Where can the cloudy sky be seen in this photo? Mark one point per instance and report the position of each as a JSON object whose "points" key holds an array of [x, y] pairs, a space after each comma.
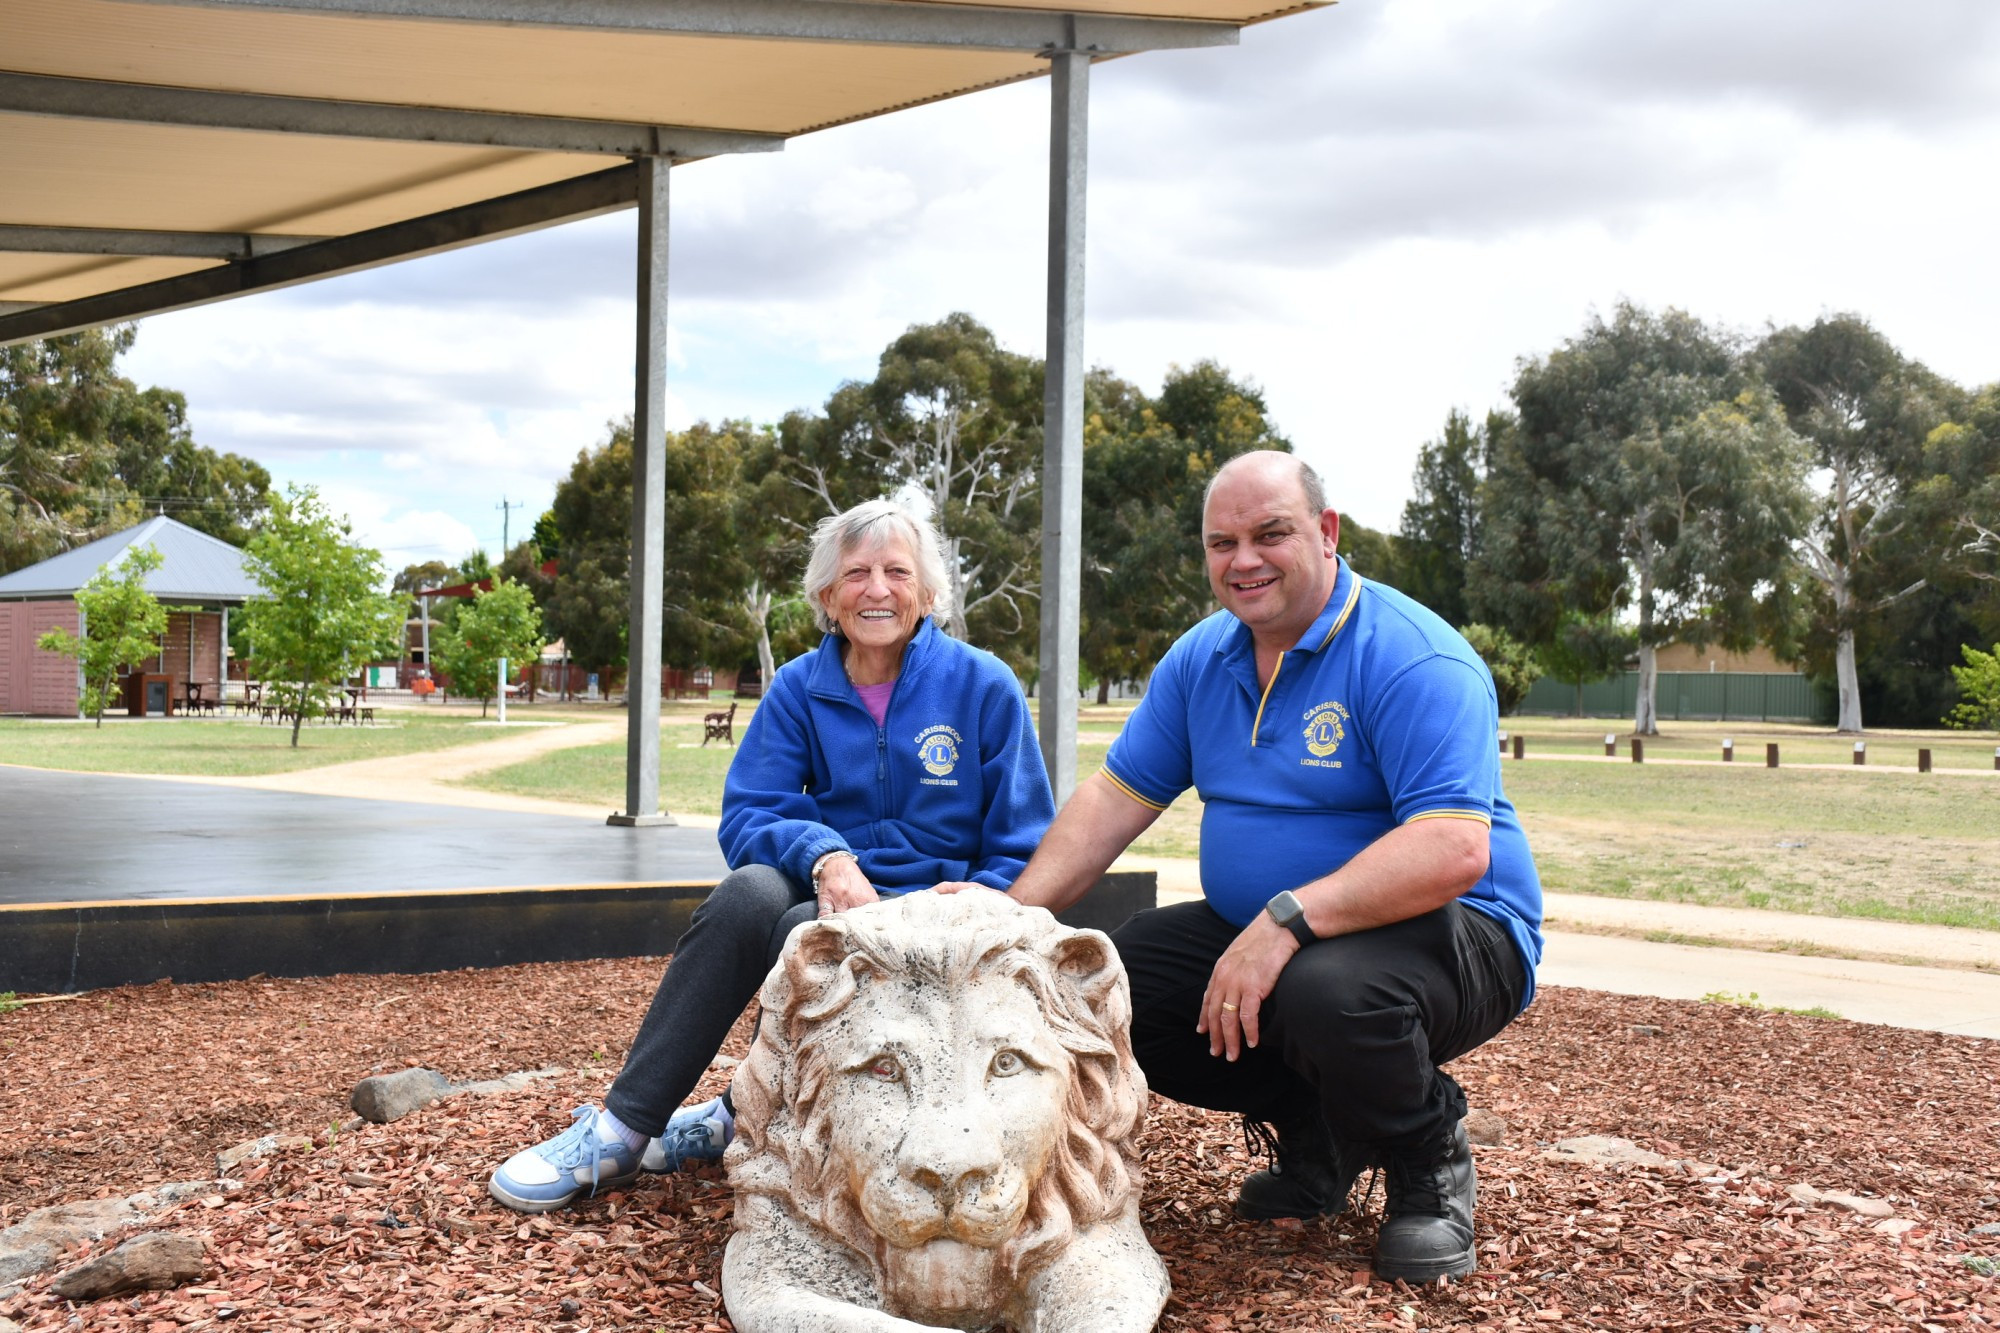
{"points": [[1371, 210]]}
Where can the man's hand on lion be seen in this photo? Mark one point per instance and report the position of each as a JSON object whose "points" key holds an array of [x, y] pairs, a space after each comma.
{"points": [[1243, 977], [842, 885], [956, 886]]}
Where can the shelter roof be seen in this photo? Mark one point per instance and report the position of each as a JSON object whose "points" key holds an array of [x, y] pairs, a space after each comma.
{"points": [[185, 147], [195, 567]]}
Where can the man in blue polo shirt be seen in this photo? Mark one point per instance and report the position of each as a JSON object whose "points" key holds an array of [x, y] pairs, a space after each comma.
{"points": [[1370, 908]]}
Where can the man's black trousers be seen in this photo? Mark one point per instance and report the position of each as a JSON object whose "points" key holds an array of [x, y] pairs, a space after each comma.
{"points": [[1357, 1025]]}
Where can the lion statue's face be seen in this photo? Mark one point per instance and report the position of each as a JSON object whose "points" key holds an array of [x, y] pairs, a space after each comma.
{"points": [[940, 1098]]}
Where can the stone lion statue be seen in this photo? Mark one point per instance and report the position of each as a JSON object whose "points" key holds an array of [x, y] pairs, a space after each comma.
{"points": [[935, 1129]]}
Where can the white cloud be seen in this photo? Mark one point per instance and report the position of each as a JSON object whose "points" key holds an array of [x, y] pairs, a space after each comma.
{"points": [[1372, 210]]}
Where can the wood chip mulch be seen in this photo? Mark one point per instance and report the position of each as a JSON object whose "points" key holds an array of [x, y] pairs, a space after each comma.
{"points": [[389, 1227]]}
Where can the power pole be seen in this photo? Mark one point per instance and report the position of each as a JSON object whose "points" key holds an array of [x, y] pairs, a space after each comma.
{"points": [[504, 509]]}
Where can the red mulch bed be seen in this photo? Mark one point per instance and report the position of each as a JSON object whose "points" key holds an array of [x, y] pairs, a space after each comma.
{"points": [[389, 1227]]}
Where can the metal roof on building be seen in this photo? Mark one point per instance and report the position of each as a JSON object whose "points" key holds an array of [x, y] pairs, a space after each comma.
{"points": [[183, 151], [195, 567]]}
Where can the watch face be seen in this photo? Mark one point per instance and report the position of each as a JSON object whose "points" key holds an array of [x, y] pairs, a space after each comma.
{"points": [[1284, 908]]}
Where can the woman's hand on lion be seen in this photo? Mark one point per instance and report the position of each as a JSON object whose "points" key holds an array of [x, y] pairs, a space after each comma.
{"points": [[842, 885]]}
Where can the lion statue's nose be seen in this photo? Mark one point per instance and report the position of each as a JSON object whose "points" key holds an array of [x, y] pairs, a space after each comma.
{"points": [[950, 1157]]}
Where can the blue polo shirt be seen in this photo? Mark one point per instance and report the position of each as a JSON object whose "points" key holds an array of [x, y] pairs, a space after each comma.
{"points": [[1381, 714]]}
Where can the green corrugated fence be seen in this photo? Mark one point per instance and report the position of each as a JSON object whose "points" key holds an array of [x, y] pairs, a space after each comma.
{"points": [[1722, 696]]}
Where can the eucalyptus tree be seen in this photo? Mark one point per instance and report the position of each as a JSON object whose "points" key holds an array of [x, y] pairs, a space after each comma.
{"points": [[1647, 469], [1865, 413]]}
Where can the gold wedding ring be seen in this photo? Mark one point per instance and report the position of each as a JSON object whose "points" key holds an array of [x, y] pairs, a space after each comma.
{"points": [[1228, 1008]]}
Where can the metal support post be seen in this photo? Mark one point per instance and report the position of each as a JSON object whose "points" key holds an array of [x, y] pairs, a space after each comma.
{"points": [[649, 509], [1062, 417]]}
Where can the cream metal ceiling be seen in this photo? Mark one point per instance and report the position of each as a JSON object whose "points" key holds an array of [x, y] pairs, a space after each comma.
{"points": [[256, 122]]}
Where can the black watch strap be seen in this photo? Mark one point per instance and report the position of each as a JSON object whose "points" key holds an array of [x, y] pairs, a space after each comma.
{"points": [[1286, 909]]}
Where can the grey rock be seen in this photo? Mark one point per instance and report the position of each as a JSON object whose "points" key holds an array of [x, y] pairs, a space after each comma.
{"points": [[230, 1158], [515, 1082], [40, 1240], [1485, 1128], [1606, 1150], [160, 1259], [1647, 1030], [387, 1097], [1987, 1229], [8, 1326]]}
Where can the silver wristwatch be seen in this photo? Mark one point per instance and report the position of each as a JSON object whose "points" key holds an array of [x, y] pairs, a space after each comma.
{"points": [[1289, 912]]}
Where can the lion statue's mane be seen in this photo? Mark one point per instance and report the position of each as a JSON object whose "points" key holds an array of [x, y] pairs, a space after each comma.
{"points": [[784, 1131]]}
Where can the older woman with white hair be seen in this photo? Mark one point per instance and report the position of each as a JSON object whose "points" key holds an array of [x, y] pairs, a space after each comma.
{"points": [[891, 759]]}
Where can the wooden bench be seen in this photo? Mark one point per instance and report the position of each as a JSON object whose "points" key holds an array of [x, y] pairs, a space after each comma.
{"points": [[719, 726]]}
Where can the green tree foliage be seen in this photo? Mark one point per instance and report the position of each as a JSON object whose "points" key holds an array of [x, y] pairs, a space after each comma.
{"points": [[1439, 539], [1865, 413], [706, 567], [122, 625], [499, 623], [1586, 648], [321, 615], [953, 421], [1978, 691], [1646, 467], [1511, 662], [85, 452], [1146, 463]]}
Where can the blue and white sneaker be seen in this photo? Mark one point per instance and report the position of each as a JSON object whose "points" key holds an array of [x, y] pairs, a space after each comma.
{"points": [[549, 1175], [695, 1134]]}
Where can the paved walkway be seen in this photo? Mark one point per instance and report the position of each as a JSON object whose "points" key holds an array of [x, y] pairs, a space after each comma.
{"points": [[1930, 977]]}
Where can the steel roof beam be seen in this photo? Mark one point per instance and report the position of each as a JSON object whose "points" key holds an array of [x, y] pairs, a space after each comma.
{"points": [[860, 21], [564, 201], [152, 104], [162, 244]]}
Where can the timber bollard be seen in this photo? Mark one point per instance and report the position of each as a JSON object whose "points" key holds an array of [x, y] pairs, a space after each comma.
{"points": [[1503, 742], [1860, 753], [1996, 759], [1728, 750], [1638, 751], [1923, 761], [1520, 745], [1771, 755], [1610, 745]]}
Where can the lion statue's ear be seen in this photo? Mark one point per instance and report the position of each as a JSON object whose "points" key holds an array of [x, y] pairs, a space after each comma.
{"points": [[815, 971], [1088, 965]]}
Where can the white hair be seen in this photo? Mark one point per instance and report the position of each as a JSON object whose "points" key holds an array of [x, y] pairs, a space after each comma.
{"points": [[866, 524]]}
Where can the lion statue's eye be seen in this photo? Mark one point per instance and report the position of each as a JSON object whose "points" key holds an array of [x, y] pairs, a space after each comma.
{"points": [[1008, 1062], [885, 1068]]}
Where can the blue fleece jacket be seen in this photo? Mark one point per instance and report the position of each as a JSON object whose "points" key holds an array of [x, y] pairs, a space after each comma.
{"points": [[950, 787]]}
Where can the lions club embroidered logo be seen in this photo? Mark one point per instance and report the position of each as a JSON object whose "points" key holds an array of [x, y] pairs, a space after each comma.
{"points": [[1325, 728], [937, 747]]}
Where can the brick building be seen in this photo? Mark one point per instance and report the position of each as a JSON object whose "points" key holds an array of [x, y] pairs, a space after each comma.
{"points": [[204, 576]]}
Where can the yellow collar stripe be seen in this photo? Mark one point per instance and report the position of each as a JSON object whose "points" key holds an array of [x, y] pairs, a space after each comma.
{"points": [[1353, 596], [1119, 783]]}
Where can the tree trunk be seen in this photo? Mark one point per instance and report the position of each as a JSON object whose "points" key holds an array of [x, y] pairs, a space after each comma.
{"points": [[1850, 684], [1103, 690], [760, 615], [1647, 720], [299, 708]]}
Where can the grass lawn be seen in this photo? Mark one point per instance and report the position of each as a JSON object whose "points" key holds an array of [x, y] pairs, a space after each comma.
{"points": [[231, 747], [1840, 842], [690, 779]]}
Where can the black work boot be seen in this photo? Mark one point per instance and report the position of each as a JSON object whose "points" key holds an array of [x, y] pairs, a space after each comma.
{"points": [[1310, 1172], [1426, 1228]]}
